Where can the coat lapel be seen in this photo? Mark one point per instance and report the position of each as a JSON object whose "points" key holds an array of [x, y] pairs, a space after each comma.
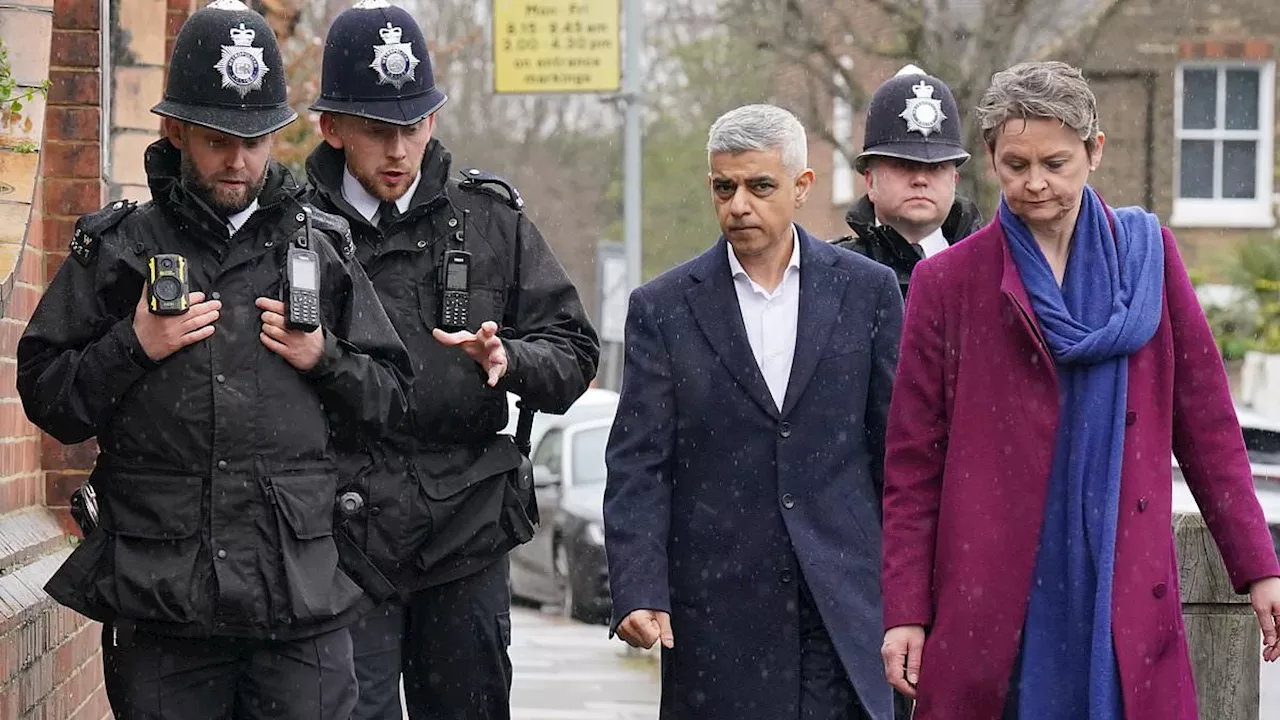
{"points": [[714, 303], [1016, 292], [822, 290]]}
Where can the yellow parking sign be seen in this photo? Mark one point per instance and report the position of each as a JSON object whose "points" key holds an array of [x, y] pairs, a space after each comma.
{"points": [[556, 46]]}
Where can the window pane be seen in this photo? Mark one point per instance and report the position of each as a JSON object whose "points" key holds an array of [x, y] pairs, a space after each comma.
{"points": [[1242, 99], [1199, 99], [548, 453], [1196, 169], [588, 456], [1239, 169]]}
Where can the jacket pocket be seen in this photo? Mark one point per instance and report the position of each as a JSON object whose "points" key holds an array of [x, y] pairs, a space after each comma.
{"points": [[317, 587], [447, 475], [82, 582], [154, 522]]}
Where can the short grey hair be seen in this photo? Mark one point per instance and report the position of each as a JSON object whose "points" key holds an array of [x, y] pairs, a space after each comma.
{"points": [[761, 128], [1049, 90]]}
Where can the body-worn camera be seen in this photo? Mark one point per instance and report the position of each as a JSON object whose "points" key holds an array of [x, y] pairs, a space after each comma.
{"points": [[455, 296], [302, 284], [167, 285]]}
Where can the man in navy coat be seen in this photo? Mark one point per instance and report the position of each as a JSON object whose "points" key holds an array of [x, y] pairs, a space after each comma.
{"points": [[742, 512]]}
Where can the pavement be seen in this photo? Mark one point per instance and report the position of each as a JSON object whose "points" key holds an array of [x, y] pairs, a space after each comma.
{"points": [[567, 670]]}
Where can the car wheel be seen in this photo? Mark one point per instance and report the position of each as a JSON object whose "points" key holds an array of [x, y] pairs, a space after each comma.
{"points": [[564, 583]]}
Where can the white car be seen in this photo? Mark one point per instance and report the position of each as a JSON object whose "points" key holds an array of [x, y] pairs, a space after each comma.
{"points": [[564, 565]]}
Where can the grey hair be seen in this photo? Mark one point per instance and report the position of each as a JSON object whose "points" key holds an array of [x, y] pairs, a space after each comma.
{"points": [[1049, 90], [761, 128]]}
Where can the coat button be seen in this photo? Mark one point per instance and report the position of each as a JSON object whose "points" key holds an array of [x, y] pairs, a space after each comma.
{"points": [[1142, 505], [786, 576], [788, 502], [222, 554], [375, 511], [1159, 590], [216, 295], [1130, 417], [785, 430], [222, 464], [220, 378]]}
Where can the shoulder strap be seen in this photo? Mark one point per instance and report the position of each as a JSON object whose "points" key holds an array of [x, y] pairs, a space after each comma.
{"points": [[476, 179], [89, 229], [473, 180]]}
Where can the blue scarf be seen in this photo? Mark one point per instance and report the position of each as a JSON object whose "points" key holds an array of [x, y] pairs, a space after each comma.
{"points": [[1108, 307]]}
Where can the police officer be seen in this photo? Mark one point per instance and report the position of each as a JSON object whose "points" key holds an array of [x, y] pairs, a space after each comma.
{"points": [[214, 564], [910, 158], [484, 308]]}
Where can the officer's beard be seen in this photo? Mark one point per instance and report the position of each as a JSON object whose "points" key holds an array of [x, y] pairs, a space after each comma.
{"points": [[373, 184], [222, 201]]}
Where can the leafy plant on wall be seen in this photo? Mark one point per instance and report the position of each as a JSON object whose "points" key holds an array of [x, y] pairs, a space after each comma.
{"points": [[1253, 266], [13, 98]]}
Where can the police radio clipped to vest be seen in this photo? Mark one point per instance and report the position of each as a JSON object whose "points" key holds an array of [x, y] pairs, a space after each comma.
{"points": [[302, 281], [454, 283]]}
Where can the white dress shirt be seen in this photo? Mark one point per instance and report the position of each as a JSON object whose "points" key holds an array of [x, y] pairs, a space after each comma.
{"points": [[932, 244], [237, 221], [367, 205], [770, 319]]}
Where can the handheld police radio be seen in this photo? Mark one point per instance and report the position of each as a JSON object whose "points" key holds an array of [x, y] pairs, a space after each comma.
{"points": [[302, 282], [455, 283], [167, 285]]}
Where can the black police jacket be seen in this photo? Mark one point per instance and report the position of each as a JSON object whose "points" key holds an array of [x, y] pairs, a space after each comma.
{"points": [[215, 475], [887, 247], [439, 501]]}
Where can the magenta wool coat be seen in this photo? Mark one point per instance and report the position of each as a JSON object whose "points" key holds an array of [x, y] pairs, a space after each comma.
{"points": [[970, 442]]}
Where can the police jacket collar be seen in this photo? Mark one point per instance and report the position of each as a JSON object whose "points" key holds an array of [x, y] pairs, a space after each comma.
{"points": [[326, 164], [164, 176], [964, 219]]}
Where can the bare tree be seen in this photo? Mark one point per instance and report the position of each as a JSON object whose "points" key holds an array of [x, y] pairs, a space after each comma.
{"points": [[828, 50]]}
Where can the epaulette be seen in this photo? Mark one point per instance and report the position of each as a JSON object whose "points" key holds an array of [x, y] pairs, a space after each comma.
{"points": [[89, 229], [476, 179], [337, 225]]}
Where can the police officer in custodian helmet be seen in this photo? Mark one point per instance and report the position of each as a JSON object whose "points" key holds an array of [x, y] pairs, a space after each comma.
{"points": [[484, 309], [168, 335], [911, 154]]}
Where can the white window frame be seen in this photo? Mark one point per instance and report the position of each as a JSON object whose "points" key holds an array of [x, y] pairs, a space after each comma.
{"points": [[843, 191], [843, 186], [1228, 212]]}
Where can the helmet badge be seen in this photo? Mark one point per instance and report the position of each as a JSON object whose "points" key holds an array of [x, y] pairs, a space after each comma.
{"points": [[241, 65], [923, 112], [393, 60]]}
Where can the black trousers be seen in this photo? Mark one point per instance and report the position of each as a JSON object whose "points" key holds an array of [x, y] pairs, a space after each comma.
{"points": [[153, 677], [825, 690], [450, 642]]}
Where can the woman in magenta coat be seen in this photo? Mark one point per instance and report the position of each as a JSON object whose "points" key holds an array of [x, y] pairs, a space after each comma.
{"points": [[1048, 365]]}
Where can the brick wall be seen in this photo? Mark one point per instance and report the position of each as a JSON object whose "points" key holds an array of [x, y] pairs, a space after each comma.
{"points": [[49, 657], [821, 214], [50, 662]]}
